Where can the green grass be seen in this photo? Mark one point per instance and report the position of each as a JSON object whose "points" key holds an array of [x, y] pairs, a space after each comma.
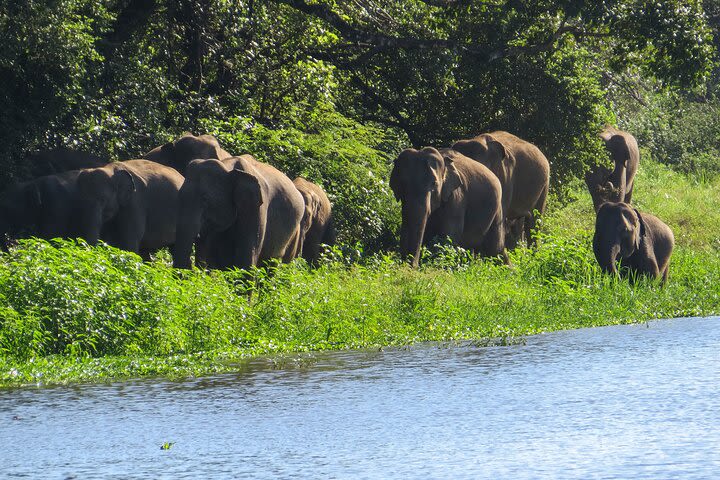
{"points": [[70, 313]]}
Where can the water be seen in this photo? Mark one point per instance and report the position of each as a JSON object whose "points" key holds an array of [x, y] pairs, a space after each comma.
{"points": [[619, 402]]}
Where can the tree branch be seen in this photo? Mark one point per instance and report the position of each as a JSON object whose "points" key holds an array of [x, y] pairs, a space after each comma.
{"points": [[371, 39], [399, 120]]}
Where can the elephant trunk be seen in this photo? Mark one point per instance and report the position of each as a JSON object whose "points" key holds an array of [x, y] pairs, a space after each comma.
{"points": [[415, 215], [607, 257], [188, 228]]}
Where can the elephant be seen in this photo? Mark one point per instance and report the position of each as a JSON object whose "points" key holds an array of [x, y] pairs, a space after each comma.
{"points": [[642, 241], [132, 205], [616, 185], [179, 153], [448, 194], [59, 160], [317, 225], [246, 209], [42, 207], [523, 171]]}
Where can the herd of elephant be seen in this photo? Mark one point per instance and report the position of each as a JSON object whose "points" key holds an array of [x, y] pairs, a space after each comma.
{"points": [[236, 211], [484, 193]]}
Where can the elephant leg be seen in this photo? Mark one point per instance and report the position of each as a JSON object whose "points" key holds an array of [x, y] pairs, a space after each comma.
{"points": [[650, 267], [311, 246], [665, 273], [130, 226], [514, 232], [294, 247], [493, 244], [450, 223], [215, 250]]}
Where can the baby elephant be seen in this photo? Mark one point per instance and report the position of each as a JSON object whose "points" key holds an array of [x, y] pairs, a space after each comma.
{"points": [[642, 241]]}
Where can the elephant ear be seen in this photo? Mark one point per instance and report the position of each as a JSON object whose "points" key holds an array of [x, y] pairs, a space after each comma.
{"points": [[641, 229], [124, 185], [496, 151], [452, 179], [248, 192]]}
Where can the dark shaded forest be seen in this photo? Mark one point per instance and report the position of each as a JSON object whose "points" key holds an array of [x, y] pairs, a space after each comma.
{"points": [[332, 90]]}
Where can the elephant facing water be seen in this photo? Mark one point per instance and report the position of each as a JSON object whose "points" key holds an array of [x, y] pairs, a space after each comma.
{"points": [[131, 205], [641, 241], [246, 210], [451, 194]]}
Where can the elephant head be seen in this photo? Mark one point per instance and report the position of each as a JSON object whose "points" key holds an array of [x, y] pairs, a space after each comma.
{"points": [[181, 152], [487, 150], [421, 180], [101, 193], [212, 198], [619, 229]]}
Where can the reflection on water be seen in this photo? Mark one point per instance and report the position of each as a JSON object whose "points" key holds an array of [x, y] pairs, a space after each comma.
{"points": [[619, 402]]}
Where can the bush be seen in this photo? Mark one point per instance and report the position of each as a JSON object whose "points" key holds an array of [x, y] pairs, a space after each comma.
{"points": [[351, 161], [679, 130], [68, 298]]}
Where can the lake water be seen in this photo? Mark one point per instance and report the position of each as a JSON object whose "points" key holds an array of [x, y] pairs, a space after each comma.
{"points": [[639, 401]]}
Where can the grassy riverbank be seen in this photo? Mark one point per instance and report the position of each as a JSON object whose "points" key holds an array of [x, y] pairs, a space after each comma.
{"points": [[77, 314]]}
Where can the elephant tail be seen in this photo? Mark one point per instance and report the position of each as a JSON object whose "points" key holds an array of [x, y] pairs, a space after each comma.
{"points": [[542, 200], [294, 246]]}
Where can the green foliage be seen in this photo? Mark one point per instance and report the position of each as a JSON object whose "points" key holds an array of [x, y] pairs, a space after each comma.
{"points": [[74, 300], [680, 130], [348, 159], [46, 57], [69, 312], [117, 80]]}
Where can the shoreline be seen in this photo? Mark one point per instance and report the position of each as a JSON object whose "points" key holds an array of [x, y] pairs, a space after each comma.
{"points": [[58, 370], [126, 319]]}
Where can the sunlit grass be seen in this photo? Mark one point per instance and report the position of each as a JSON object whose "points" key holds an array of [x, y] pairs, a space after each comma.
{"points": [[73, 313]]}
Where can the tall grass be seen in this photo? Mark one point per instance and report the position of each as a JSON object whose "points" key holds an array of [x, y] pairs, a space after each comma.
{"points": [[69, 312]]}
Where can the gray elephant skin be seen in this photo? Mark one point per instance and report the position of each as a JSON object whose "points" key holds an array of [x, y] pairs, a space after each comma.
{"points": [[616, 185], [446, 193], [523, 171], [641, 241], [243, 211], [131, 205], [42, 208], [59, 160], [179, 153], [317, 226]]}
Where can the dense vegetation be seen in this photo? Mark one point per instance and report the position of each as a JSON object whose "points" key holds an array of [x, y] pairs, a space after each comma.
{"points": [[332, 91], [73, 313]]}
